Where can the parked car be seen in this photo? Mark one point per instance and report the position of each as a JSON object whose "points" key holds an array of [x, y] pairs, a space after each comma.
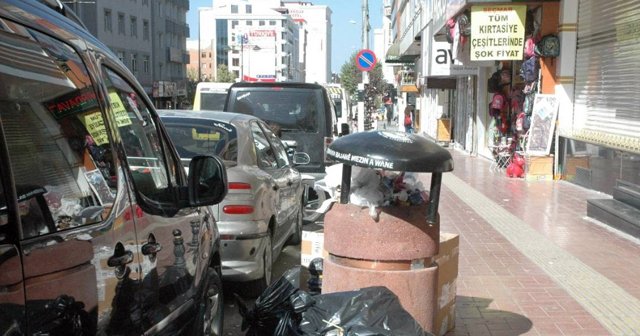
{"points": [[299, 112], [101, 231], [263, 209]]}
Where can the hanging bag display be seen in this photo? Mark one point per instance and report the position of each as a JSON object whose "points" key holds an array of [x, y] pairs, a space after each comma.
{"points": [[548, 46]]}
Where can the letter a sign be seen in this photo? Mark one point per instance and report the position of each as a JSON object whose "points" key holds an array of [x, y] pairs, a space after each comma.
{"points": [[366, 60]]}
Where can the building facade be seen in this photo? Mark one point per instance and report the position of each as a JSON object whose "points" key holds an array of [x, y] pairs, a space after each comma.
{"points": [[315, 23], [575, 108], [256, 40], [169, 31], [148, 37]]}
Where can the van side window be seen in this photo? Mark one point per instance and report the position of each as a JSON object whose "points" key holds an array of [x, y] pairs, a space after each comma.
{"points": [[278, 148], [153, 176], [61, 156]]}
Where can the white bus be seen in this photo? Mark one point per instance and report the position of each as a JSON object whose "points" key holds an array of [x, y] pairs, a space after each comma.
{"points": [[210, 96]]}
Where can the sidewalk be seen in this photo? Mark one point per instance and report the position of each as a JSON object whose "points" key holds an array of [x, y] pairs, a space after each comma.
{"points": [[531, 263]]}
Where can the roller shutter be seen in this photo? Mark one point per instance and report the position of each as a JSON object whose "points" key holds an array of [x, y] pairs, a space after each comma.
{"points": [[607, 80]]}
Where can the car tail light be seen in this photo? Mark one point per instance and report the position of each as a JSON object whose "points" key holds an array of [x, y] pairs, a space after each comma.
{"points": [[239, 186], [327, 142], [237, 209]]}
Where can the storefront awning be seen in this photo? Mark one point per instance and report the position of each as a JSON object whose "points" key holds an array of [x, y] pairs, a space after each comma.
{"points": [[393, 55]]}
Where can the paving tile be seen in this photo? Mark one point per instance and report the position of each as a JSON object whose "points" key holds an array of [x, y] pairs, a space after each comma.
{"points": [[504, 281]]}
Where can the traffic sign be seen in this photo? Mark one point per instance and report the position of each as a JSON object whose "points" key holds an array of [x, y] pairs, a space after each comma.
{"points": [[366, 60]]}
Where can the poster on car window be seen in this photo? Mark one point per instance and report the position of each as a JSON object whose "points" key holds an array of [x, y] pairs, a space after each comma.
{"points": [[118, 109], [497, 32], [94, 124]]}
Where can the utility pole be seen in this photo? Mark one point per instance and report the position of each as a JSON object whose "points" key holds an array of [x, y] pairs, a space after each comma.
{"points": [[365, 75]]}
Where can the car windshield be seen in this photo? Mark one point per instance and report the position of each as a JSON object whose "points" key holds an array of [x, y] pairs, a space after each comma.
{"points": [[213, 100], [203, 137], [283, 109]]}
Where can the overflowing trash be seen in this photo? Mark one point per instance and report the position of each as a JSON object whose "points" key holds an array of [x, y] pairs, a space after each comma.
{"points": [[284, 309], [374, 188]]}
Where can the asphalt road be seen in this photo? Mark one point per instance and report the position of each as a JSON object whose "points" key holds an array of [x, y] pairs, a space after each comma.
{"points": [[289, 257]]}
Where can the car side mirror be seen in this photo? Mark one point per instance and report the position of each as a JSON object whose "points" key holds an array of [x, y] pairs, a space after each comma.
{"points": [[300, 158], [207, 181]]}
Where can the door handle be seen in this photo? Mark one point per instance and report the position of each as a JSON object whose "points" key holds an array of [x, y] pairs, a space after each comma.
{"points": [[151, 248], [121, 260]]}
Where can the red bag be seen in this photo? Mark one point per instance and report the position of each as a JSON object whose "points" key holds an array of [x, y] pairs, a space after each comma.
{"points": [[407, 120]]}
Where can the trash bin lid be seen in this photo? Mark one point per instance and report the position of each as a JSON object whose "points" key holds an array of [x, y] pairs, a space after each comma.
{"points": [[391, 150]]}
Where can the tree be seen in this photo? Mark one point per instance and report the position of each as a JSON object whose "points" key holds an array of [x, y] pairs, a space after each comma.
{"points": [[224, 75], [350, 76]]}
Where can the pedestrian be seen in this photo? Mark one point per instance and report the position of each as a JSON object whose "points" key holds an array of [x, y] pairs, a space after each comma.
{"points": [[388, 105], [408, 120]]}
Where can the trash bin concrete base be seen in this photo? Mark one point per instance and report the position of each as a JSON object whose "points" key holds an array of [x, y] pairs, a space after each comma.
{"points": [[415, 288], [395, 251]]}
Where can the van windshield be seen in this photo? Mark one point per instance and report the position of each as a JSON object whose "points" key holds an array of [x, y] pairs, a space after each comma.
{"points": [[213, 100], [282, 108]]}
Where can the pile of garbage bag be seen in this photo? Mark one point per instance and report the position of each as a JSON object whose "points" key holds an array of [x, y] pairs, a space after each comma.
{"points": [[374, 188], [284, 309]]}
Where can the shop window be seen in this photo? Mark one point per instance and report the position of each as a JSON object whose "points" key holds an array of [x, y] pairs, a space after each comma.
{"points": [[61, 156]]}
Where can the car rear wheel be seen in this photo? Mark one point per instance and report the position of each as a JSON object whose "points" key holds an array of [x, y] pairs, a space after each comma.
{"points": [[312, 201], [255, 287], [213, 304]]}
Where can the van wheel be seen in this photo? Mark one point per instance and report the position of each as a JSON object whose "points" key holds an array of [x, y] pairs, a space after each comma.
{"points": [[312, 201], [255, 287], [213, 304]]}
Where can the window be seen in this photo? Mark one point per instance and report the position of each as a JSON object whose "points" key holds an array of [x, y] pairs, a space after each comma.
{"points": [[107, 20], [145, 64], [234, 23], [121, 23], [154, 177], [249, 23], [145, 30], [234, 9], [145, 2], [203, 54], [121, 56], [134, 26], [261, 23], [278, 147], [235, 62], [61, 155], [264, 153], [236, 73], [134, 63], [272, 23], [247, 9]]}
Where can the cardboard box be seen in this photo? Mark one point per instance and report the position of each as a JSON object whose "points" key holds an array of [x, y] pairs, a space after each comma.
{"points": [[312, 245], [539, 168], [447, 260]]}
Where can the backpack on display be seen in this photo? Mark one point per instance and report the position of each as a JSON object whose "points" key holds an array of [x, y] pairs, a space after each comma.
{"points": [[548, 46], [493, 83], [529, 70], [464, 24], [520, 122], [529, 47], [527, 106]]}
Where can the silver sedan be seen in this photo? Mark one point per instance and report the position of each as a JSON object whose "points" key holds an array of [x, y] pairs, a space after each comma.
{"points": [[263, 210]]}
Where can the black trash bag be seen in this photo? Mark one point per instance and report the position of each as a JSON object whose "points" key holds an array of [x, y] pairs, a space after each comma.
{"points": [[277, 311], [366, 312]]}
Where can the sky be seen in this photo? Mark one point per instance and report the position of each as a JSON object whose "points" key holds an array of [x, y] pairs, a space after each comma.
{"points": [[346, 18]]}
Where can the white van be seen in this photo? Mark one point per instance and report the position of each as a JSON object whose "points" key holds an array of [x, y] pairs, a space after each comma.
{"points": [[210, 96]]}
